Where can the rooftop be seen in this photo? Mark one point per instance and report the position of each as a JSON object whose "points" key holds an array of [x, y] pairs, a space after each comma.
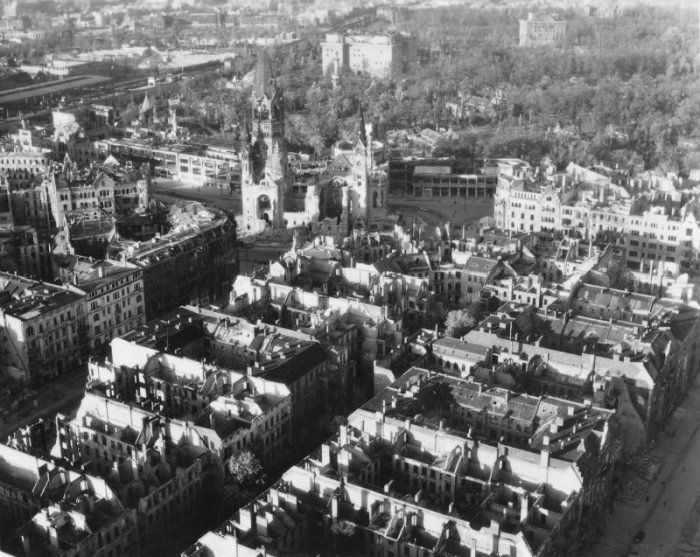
{"points": [[27, 299]]}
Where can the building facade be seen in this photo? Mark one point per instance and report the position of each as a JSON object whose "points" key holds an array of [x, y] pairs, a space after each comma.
{"points": [[542, 30], [379, 56], [588, 205], [49, 510], [114, 296], [44, 328], [392, 482], [193, 263]]}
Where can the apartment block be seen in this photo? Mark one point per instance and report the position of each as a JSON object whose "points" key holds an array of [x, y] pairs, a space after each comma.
{"points": [[641, 367], [590, 204], [281, 361], [50, 510], [410, 475], [45, 332], [114, 296], [160, 468], [193, 263], [357, 331]]}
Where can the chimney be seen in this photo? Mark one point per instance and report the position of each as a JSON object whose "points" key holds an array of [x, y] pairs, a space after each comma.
{"points": [[335, 507], [325, 454], [275, 497], [245, 519], [388, 487], [524, 506]]}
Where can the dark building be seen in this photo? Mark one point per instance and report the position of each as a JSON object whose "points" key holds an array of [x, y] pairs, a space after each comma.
{"points": [[194, 263]]}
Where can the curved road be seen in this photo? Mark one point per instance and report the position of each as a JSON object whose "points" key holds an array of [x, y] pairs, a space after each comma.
{"points": [[438, 213]]}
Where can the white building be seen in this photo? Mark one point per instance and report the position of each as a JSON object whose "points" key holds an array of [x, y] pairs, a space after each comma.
{"points": [[542, 30], [92, 193], [44, 331], [375, 55], [584, 204], [113, 295]]}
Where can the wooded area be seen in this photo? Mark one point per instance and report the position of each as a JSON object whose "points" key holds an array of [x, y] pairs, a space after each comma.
{"points": [[624, 91]]}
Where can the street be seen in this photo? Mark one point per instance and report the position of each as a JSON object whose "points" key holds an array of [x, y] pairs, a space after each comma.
{"points": [[669, 514], [171, 191], [61, 395]]}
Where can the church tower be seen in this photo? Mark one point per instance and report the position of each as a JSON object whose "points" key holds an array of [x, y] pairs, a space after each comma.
{"points": [[265, 173], [367, 195]]}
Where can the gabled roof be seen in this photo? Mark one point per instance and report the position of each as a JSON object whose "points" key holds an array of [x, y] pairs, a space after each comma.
{"points": [[146, 105]]}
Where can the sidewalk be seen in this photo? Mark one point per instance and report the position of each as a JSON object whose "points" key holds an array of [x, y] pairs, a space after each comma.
{"points": [[628, 519]]}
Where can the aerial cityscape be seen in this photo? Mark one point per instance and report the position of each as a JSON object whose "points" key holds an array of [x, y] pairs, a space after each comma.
{"points": [[388, 278]]}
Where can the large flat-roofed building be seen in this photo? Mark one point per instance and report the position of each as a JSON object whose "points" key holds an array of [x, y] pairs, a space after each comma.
{"points": [[542, 30], [410, 475], [205, 164], [431, 178], [209, 20], [44, 329], [375, 55], [193, 263], [442, 181]]}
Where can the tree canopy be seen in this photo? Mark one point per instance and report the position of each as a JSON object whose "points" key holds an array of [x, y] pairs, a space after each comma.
{"points": [[245, 469], [458, 322]]}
